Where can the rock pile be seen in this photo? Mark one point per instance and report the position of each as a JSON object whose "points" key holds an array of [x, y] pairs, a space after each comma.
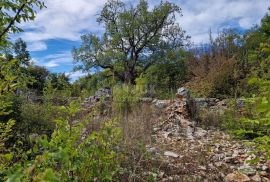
{"points": [[103, 94], [178, 120], [190, 153]]}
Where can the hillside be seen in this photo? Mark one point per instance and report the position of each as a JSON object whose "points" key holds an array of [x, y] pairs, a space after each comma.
{"points": [[116, 90]]}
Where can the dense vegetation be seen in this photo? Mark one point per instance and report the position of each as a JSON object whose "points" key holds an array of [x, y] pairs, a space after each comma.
{"points": [[46, 135]]}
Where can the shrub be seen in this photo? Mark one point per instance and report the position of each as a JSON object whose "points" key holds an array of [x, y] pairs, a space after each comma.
{"points": [[125, 98], [8, 84], [210, 118], [253, 120], [212, 77], [164, 77], [36, 118], [5, 154], [72, 154]]}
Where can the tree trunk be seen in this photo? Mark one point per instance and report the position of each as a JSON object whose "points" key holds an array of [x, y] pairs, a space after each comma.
{"points": [[130, 78]]}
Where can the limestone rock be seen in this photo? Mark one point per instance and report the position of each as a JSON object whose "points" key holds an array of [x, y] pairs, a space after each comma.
{"points": [[146, 99], [236, 177], [160, 104], [171, 154], [183, 92], [248, 170], [199, 132], [256, 178]]}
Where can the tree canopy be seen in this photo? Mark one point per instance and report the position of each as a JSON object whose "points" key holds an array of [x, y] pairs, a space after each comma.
{"points": [[21, 52], [134, 39]]}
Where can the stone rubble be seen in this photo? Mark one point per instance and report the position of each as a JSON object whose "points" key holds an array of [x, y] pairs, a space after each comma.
{"points": [[103, 94], [190, 153], [171, 154]]}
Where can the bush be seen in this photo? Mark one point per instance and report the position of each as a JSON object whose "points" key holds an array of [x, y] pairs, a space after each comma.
{"points": [[213, 77], [125, 98], [72, 154], [210, 118], [7, 85], [36, 118], [252, 122], [163, 78]]}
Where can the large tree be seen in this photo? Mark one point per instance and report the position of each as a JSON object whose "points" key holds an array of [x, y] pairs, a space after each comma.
{"points": [[134, 39]]}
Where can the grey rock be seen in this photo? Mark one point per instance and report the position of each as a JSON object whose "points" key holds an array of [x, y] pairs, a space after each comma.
{"points": [[167, 134], [264, 179], [146, 99], [160, 104], [199, 132], [202, 168], [248, 170], [161, 174], [152, 150], [264, 168], [256, 178], [218, 157], [156, 129], [183, 92], [171, 154], [218, 164], [201, 102], [236, 177], [187, 132], [264, 173], [229, 160]]}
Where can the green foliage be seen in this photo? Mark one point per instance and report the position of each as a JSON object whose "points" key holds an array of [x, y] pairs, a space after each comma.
{"points": [[165, 77], [5, 155], [265, 25], [7, 84], [39, 74], [125, 97], [36, 118], [73, 154], [12, 12], [8, 78], [88, 85], [254, 122], [214, 77], [134, 39], [58, 81], [21, 52]]}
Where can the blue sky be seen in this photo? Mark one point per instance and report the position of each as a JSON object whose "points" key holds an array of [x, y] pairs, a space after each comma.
{"points": [[57, 29]]}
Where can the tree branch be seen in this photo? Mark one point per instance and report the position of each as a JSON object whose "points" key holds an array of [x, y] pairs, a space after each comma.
{"points": [[158, 27], [12, 22]]}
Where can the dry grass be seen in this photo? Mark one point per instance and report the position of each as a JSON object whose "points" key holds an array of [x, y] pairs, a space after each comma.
{"points": [[137, 128], [209, 119]]}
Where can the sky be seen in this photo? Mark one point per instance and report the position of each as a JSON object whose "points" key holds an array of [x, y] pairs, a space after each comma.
{"points": [[58, 28]]}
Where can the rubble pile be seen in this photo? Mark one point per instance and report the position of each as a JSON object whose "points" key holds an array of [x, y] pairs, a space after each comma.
{"points": [[189, 153], [103, 94]]}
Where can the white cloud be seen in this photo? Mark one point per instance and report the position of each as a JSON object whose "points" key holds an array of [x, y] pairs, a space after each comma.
{"points": [[56, 60], [34, 61], [75, 75], [37, 46], [51, 64], [69, 19], [63, 19], [200, 16]]}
